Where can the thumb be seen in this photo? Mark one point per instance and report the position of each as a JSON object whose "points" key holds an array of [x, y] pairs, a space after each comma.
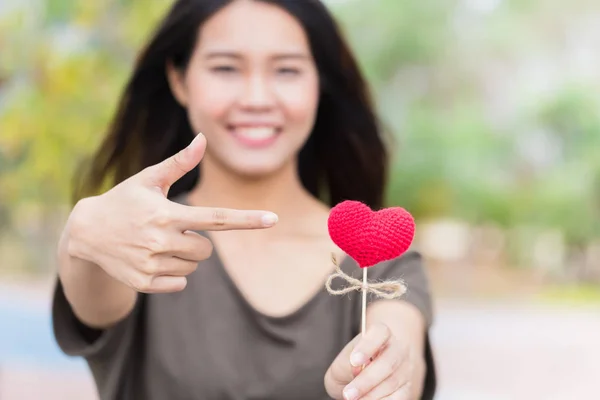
{"points": [[341, 372], [169, 171]]}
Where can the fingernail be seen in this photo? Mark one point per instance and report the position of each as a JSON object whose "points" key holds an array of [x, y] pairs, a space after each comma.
{"points": [[198, 136], [357, 359], [194, 141], [350, 393], [269, 219]]}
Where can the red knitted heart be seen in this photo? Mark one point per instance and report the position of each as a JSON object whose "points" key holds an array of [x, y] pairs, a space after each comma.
{"points": [[370, 237]]}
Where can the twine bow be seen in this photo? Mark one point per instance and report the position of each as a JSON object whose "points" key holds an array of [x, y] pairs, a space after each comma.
{"points": [[387, 289]]}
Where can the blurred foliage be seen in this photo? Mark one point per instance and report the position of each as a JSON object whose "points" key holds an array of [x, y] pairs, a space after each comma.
{"points": [[454, 80], [583, 294], [471, 146], [68, 66]]}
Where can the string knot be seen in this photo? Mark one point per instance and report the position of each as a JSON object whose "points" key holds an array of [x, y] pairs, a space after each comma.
{"points": [[387, 289]]}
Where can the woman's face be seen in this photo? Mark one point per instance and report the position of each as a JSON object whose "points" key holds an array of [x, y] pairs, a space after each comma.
{"points": [[251, 88]]}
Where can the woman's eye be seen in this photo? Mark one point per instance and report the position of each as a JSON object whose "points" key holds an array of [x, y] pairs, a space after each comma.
{"points": [[288, 71], [224, 69]]}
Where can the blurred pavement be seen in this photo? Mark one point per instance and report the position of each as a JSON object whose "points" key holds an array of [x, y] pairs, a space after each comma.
{"points": [[491, 351]]}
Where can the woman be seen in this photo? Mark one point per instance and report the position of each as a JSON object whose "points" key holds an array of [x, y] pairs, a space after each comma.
{"points": [[156, 311]]}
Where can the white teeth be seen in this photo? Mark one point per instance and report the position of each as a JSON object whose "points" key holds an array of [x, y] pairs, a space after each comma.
{"points": [[255, 133]]}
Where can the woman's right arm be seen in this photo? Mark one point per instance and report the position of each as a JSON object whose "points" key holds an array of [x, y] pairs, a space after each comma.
{"points": [[132, 239], [97, 299]]}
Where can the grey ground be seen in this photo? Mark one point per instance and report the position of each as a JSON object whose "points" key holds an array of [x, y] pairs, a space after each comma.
{"points": [[485, 351]]}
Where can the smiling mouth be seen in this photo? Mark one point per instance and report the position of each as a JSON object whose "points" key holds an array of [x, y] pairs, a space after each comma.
{"points": [[255, 136]]}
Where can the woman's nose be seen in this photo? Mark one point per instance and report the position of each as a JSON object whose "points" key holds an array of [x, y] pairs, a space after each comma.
{"points": [[257, 93]]}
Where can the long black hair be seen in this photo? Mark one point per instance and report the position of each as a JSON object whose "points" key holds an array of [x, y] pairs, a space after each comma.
{"points": [[345, 157]]}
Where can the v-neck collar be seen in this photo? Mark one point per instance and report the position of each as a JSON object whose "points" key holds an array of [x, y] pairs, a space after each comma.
{"points": [[284, 319], [216, 258]]}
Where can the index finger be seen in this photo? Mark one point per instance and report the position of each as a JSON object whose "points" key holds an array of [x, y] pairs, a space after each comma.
{"points": [[221, 219]]}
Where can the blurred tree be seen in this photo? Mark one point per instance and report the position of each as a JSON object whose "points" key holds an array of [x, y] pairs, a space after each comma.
{"points": [[569, 190], [80, 57], [67, 68], [447, 77]]}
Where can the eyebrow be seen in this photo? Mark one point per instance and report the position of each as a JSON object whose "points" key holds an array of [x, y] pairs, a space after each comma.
{"points": [[235, 55]]}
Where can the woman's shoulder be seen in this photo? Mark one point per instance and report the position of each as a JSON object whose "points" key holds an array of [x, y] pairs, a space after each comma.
{"points": [[409, 265]]}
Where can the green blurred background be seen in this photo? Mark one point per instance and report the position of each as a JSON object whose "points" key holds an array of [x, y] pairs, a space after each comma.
{"points": [[494, 104]]}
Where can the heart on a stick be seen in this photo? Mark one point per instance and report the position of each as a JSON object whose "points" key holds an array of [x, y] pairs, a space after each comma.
{"points": [[368, 236]]}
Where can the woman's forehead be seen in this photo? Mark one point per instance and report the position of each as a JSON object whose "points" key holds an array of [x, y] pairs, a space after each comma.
{"points": [[253, 27]]}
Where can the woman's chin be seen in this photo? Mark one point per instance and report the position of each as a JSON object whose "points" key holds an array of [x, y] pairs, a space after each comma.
{"points": [[257, 171]]}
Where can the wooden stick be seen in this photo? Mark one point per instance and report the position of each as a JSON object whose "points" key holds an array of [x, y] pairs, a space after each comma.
{"points": [[364, 302]]}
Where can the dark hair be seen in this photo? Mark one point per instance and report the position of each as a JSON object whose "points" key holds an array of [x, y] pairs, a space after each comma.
{"points": [[343, 159]]}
